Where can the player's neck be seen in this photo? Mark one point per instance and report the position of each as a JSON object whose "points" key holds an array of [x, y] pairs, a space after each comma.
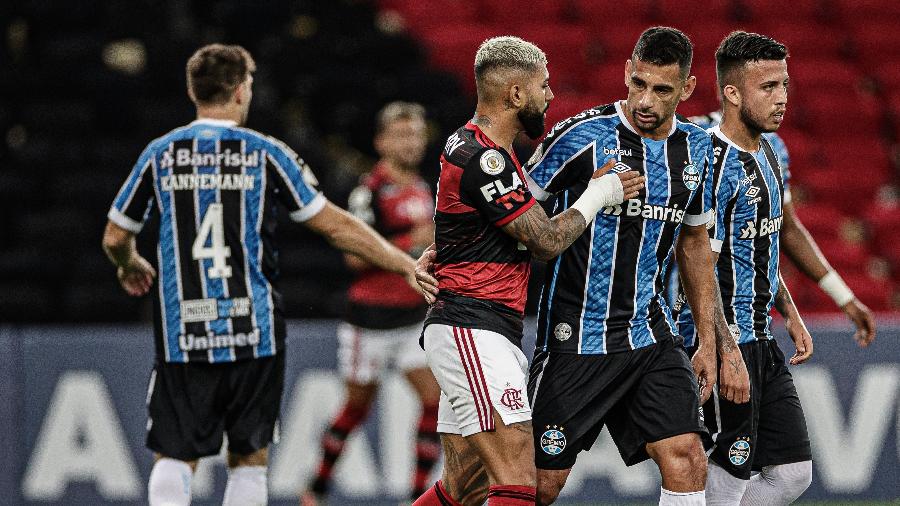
{"points": [[501, 129], [740, 133], [400, 174], [220, 113]]}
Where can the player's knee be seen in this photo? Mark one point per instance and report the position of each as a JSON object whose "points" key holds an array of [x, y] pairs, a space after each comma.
{"points": [[246, 487], [549, 485], [791, 480], [170, 483]]}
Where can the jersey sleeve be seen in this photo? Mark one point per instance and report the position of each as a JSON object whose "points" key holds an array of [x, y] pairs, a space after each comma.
{"points": [[295, 183], [135, 199], [699, 209], [724, 194], [491, 184], [559, 162]]}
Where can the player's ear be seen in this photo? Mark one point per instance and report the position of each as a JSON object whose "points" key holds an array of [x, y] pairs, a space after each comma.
{"points": [[516, 95], [731, 94], [690, 84], [629, 68]]}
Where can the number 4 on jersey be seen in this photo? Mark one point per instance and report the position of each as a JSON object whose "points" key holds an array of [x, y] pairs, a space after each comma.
{"points": [[213, 229]]}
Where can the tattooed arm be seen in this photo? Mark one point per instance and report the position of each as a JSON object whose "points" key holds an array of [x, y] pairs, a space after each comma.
{"points": [[546, 238]]}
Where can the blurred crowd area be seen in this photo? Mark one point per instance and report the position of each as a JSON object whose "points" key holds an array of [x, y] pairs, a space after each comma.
{"points": [[86, 84]]}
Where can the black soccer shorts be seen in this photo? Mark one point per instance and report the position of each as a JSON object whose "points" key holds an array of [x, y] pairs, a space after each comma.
{"points": [[770, 429], [643, 396], [191, 406]]}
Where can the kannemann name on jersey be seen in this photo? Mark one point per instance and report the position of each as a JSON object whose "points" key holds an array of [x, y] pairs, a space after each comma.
{"points": [[215, 187]]}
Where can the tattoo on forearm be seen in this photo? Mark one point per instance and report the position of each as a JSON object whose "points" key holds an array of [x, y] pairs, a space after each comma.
{"points": [[724, 340], [547, 238], [783, 300]]}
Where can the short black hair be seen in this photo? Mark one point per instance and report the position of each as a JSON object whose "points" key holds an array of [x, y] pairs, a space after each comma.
{"points": [[740, 48], [214, 71], [662, 45]]}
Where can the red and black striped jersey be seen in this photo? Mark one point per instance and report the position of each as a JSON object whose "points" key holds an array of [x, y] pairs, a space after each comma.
{"points": [[481, 270], [378, 298]]}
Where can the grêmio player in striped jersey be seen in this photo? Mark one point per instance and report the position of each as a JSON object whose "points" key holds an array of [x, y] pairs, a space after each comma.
{"points": [[607, 351], [218, 318]]}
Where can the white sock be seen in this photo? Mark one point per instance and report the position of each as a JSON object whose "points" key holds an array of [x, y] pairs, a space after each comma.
{"points": [[778, 485], [170, 483], [723, 489], [246, 486], [669, 498]]}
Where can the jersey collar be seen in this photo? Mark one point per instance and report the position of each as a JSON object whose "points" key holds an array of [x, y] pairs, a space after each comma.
{"points": [[627, 124], [214, 122], [718, 133]]}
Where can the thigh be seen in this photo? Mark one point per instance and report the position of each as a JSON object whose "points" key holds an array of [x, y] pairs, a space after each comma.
{"points": [[254, 403], [572, 396], [665, 403], [478, 370], [732, 441], [185, 422], [782, 432], [361, 354]]}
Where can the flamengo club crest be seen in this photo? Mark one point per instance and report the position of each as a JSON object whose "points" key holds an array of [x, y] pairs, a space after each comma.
{"points": [[512, 399]]}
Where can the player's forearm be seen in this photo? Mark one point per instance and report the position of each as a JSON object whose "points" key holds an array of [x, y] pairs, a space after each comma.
{"points": [[119, 245], [784, 303], [695, 263], [353, 236], [801, 248], [547, 238], [725, 342]]}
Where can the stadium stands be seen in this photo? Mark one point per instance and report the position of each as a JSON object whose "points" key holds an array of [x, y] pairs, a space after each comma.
{"points": [[86, 87]]}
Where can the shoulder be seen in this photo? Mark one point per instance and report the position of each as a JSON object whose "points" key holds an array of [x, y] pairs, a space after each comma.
{"points": [[589, 119], [695, 132], [467, 146], [259, 140]]}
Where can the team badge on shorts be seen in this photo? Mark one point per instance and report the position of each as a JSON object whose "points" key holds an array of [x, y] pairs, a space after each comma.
{"points": [[512, 399], [553, 441], [691, 177], [563, 331], [492, 162], [739, 453]]}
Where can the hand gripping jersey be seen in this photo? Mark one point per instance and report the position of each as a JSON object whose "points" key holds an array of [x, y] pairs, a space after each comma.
{"points": [[604, 293], [216, 187], [482, 271], [748, 192], [381, 299]]}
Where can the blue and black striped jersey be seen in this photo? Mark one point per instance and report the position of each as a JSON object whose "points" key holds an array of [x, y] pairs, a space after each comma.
{"points": [[748, 192], [215, 187], [604, 293], [712, 119]]}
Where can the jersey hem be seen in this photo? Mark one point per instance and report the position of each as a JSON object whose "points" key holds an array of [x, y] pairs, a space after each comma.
{"points": [[311, 209], [120, 219]]}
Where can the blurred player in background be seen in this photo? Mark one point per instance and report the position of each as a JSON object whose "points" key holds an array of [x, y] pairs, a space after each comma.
{"points": [[487, 229], [607, 351], [384, 317], [801, 248], [219, 328]]}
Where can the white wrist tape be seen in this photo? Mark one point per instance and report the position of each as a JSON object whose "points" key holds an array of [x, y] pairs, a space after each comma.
{"points": [[601, 192], [834, 286]]}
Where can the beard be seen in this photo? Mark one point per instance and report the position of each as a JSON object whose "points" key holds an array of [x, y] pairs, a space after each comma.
{"points": [[532, 120], [753, 122]]}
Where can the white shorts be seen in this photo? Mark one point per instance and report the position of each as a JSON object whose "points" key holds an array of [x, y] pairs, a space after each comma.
{"points": [[364, 354], [476, 369]]}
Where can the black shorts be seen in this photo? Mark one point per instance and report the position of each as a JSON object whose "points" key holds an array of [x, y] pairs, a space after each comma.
{"points": [[643, 396], [770, 429], [191, 405]]}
